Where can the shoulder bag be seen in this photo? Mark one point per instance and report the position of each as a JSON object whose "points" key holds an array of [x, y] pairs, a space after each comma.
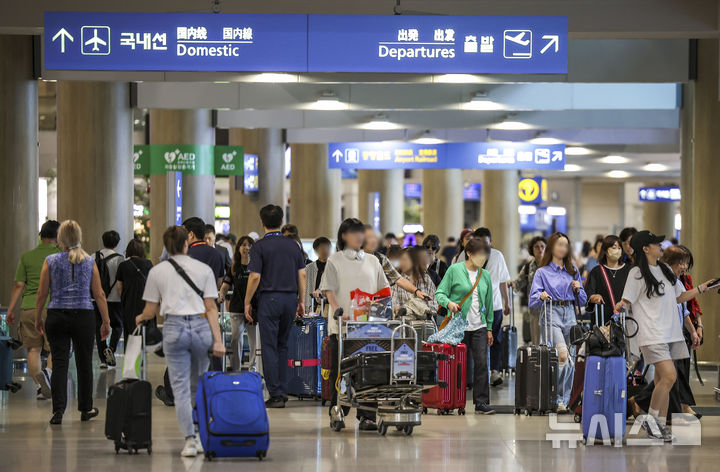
{"points": [[451, 315]]}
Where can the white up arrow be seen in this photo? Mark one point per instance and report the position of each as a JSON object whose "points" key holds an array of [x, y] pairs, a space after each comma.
{"points": [[337, 155], [553, 39], [62, 34]]}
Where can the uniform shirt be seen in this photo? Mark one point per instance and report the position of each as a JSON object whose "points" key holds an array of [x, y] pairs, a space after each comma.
{"points": [[175, 296], [200, 251], [28, 272], [349, 270], [277, 259], [657, 316], [112, 265], [555, 280]]}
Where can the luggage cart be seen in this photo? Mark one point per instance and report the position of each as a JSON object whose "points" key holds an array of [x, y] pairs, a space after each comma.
{"points": [[399, 400]]}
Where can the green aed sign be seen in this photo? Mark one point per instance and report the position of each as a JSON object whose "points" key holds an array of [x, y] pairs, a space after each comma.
{"points": [[157, 159]]}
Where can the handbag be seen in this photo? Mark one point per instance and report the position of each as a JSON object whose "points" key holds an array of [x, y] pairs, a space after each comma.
{"points": [[132, 361], [453, 333], [451, 315]]}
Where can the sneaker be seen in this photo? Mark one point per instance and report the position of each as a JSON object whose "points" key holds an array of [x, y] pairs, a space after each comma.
{"points": [[103, 365], [56, 418], [275, 402], [198, 444], [43, 384], [652, 429], [483, 409], [190, 449], [562, 408], [667, 436], [495, 379], [366, 424], [88, 415], [109, 357], [161, 395], [39, 395]]}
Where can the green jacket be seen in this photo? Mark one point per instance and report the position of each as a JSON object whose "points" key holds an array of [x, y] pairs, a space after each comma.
{"points": [[456, 284]]}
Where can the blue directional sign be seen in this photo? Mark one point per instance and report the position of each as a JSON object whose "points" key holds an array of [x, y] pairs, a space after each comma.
{"points": [[402, 155], [413, 190], [472, 192], [659, 194], [305, 43], [250, 173], [438, 44], [175, 41]]}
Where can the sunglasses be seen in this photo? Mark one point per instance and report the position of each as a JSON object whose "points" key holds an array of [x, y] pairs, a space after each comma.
{"points": [[432, 248]]}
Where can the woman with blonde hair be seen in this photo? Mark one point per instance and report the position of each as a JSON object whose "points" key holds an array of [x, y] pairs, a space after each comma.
{"points": [[70, 276]]}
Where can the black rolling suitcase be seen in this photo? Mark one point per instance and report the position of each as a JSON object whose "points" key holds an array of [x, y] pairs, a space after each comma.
{"points": [[509, 341], [537, 375], [128, 420]]}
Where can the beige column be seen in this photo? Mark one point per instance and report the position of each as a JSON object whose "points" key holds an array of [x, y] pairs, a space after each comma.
{"points": [[95, 173], [500, 213], [267, 144], [687, 162], [18, 155], [659, 217], [389, 183], [442, 202], [315, 192], [703, 190]]}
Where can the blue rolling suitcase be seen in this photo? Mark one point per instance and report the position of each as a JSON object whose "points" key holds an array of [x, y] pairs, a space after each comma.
{"points": [[304, 353], [604, 399], [231, 415], [7, 348]]}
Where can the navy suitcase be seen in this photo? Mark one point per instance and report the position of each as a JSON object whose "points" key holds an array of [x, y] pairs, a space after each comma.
{"points": [[508, 343], [231, 415], [304, 352], [7, 348], [604, 399]]}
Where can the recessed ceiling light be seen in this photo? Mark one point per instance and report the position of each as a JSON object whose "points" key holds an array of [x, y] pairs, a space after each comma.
{"points": [[618, 174], [380, 122], [614, 159], [456, 79], [328, 101], [479, 102], [572, 168], [527, 209], [577, 151], [428, 140], [545, 141], [512, 125], [273, 77], [655, 167]]}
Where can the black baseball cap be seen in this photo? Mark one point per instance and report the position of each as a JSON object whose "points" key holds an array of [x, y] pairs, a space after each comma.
{"points": [[644, 238]]}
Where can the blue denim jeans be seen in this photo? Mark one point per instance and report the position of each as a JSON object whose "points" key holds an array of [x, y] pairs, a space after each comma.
{"points": [[186, 342], [276, 312], [563, 318]]}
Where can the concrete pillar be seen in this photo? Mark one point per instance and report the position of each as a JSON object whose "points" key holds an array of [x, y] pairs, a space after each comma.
{"points": [[389, 183], [268, 145], [315, 192], [95, 175], [18, 155], [500, 213], [687, 145], [659, 217], [702, 187], [442, 202], [576, 219]]}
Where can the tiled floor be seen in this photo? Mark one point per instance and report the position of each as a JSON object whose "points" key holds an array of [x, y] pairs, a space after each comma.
{"points": [[302, 441]]}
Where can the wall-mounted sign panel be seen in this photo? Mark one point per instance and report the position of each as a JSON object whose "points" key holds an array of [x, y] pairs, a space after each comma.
{"points": [[532, 190], [413, 190], [438, 44], [402, 155], [250, 170], [472, 192], [175, 41], [156, 159], [305, 43], [659, 194]]}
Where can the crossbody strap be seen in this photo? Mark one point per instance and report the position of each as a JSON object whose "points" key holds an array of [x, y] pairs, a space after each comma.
{"points": [[186, 278], [477, 280], [607, 284], [137, 269]]}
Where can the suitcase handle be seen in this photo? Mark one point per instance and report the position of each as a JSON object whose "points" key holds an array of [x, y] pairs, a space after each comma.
{"points": [[548, 322], [231, 443], [459, 377]]}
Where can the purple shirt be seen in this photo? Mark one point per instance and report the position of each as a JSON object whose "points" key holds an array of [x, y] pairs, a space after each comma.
{"points": [[554, 280], [70, 283]]}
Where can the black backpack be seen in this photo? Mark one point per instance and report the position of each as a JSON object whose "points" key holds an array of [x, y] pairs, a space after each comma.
{"points": [[104, 271]]}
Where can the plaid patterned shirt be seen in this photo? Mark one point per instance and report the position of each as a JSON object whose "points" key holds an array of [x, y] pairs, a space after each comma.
{"points": [[401, 296]]}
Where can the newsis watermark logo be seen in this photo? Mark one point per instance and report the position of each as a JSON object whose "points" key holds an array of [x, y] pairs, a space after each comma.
{"points": [[686, 430]]}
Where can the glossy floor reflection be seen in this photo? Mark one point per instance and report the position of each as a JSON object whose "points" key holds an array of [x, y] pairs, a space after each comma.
{"points": [[302, 441]]}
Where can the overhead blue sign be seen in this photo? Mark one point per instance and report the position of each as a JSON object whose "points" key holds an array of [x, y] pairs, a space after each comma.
{"points": [[438, 44], [472, 192], [305, 43], [413, 190], [250, 173], [659, 194], [402, 155], [175, 41]]}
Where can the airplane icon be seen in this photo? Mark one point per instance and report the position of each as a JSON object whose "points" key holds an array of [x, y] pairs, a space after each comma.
{"points": [[95, 40], [518, 39], [517, 44]]}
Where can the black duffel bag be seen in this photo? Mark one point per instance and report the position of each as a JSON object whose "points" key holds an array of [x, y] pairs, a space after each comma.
{"points": [[606, 341]]}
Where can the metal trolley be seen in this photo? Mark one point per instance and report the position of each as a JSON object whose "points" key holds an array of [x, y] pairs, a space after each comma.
{"points": [[396, 404]]}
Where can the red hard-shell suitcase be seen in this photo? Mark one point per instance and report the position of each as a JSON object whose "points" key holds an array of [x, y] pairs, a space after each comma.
{"points": [[451, 373]]}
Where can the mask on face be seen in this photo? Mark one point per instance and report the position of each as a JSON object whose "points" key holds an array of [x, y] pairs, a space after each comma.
{"points": [[614, 253], [478, 259]]}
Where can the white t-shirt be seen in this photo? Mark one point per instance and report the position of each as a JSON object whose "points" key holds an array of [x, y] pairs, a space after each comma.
{"points": [[165, 286], [657, 316], [346, 271], [112, 265], [474, 317], [499, 273]]}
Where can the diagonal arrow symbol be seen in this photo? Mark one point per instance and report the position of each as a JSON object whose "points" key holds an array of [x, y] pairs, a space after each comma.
{"points": [[553, 39], [62, 34]]}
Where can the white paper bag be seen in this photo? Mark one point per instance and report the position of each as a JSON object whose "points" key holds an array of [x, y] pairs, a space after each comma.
{"points": [[132, 362]]}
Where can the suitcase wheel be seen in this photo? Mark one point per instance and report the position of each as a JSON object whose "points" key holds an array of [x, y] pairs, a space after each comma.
{"points": [[408, 430], [577, 418], [209, 455], [461, 411], [382, 429], [323, 402], [261, 455], [337, 425], [528, 413], [149, 450], [424, 410]]}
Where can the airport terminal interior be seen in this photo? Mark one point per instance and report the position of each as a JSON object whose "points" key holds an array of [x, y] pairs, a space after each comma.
{"points": [[416, 117]]}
